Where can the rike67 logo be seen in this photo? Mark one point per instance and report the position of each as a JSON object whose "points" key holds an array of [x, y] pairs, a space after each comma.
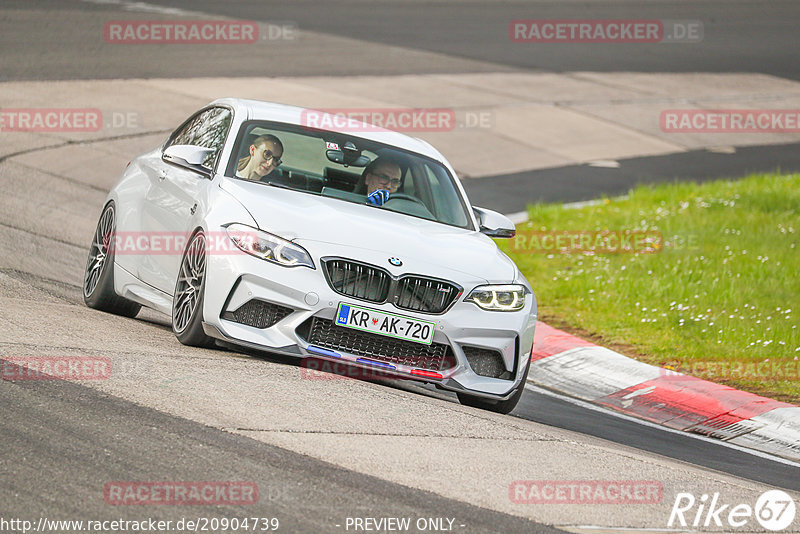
{"points": [[774, 510]]}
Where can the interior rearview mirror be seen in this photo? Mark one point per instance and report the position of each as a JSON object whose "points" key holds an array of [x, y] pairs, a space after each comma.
{"points": [[350, 160]]}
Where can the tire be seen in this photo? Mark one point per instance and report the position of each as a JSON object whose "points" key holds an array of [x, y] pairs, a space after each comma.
{"points": [[187, 300], [98, 278], [503, 407]]}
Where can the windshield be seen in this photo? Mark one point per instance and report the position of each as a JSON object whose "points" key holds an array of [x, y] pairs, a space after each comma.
{"points": [[347, 168]]}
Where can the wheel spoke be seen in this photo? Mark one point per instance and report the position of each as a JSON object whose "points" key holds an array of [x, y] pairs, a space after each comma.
{"points": [[91, 278], [180, 320], [184, 296], [98, 238], [98, 251], [187, 287], [191, 302], [201, 264], [185, 274], [96, 265], [108, 227]]}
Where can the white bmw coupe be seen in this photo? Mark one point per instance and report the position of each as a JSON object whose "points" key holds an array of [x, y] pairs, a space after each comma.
{"points": [[355, 245]]}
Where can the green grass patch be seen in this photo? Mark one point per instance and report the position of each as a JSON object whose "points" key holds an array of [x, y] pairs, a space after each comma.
{"points": [[720, 296]]}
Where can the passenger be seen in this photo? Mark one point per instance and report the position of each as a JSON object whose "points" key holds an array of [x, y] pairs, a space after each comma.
{"points": [[265, 156], [381, 178]]}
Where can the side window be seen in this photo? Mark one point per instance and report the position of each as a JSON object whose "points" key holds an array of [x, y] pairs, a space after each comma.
{"points": [[185, 135], [206, 129], [409, 186], [445, 198]]}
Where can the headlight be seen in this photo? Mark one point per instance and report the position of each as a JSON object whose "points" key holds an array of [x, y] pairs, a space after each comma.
{"points": [[498, 298], [268, 247]]}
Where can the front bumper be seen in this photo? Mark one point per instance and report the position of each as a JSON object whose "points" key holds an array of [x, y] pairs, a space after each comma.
{"points": [[237, 279]]}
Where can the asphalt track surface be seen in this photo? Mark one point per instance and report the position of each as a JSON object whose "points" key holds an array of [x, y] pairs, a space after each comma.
{"points": [[584, 182], [54, 448], [553, 409], [739, 36], [63, 441]]}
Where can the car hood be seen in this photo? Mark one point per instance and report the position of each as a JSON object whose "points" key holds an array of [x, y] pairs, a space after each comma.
{"points": [[370, 232]]}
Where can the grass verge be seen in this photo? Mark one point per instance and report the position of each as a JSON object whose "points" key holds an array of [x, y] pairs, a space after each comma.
{"points": [[711, 288]]}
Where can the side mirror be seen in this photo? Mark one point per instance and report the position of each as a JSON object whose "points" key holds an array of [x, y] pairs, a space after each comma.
{"points": [[188, 156], [494, 224]]}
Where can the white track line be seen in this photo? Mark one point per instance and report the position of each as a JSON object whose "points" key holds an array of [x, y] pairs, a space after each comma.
{"points": [[144, 7]]}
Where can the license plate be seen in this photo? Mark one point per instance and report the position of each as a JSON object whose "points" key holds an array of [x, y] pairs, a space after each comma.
{"points": [[386, 324]]}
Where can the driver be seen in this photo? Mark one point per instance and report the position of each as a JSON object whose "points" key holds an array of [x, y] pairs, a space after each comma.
{"points": [[381, 178], [264, 157]]}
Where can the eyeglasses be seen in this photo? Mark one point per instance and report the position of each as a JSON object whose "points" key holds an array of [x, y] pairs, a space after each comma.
{"points": [[394, 182], [269, 156]]}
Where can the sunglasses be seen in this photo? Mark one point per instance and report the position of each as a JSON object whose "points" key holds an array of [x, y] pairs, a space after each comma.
{"points": [[394, 182], [269, 156]]}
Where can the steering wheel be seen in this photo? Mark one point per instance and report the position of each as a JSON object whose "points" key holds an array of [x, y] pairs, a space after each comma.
{"points": [[403, 196], [421, 211]]}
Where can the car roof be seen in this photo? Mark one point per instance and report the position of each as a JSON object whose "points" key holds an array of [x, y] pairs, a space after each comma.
{"points": [[260, 110]]}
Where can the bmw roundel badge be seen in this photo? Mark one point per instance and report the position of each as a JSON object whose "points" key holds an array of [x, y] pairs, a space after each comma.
{"points": [[396, 262]]}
